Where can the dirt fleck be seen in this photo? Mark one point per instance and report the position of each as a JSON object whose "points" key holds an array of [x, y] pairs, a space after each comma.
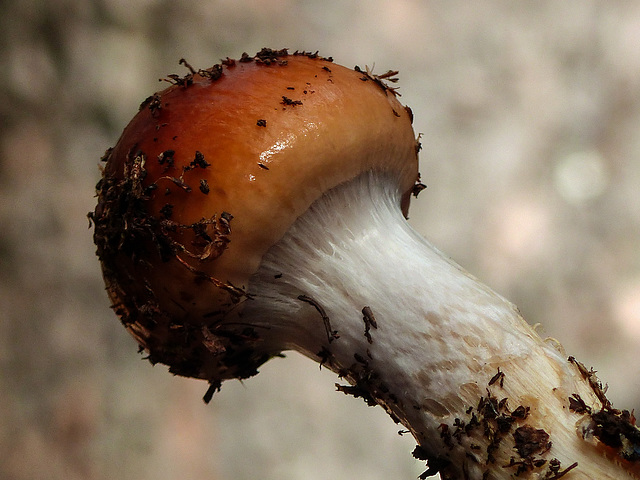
{"points": [[369, 321], [530, 441], [331, 334], [154, 102], [288, 102], [497, 377], [617, 429], [199, 161]]}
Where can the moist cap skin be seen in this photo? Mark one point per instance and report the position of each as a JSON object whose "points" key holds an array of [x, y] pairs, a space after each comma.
{"points": [[212, 171]]}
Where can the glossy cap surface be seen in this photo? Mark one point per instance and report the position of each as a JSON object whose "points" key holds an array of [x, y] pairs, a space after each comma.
{"points": [[213, 170]]}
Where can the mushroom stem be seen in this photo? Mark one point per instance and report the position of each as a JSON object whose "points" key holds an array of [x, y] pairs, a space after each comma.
{"points": [[484, 396]]}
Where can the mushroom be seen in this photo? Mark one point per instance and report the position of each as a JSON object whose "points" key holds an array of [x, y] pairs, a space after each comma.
{"points": [[260, 206]]}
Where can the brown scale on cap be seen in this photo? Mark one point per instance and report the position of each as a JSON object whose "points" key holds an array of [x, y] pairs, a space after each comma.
{"points": [[211, 173]]}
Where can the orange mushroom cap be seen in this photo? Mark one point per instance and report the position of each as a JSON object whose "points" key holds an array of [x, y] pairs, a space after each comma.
{"points": [[212, 172]]}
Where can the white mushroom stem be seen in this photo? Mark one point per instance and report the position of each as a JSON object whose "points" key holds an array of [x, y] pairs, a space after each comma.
{"points": [[484, 396]]}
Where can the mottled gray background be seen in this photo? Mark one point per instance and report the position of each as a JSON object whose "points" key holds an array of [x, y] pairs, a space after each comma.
{"points": [[530, 114]]}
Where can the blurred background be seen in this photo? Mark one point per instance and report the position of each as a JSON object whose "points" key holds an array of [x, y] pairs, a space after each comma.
{"points": [[530, 118]]}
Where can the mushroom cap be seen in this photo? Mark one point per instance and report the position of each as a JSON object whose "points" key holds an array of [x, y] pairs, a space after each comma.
{"points": [[212, 171]]}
